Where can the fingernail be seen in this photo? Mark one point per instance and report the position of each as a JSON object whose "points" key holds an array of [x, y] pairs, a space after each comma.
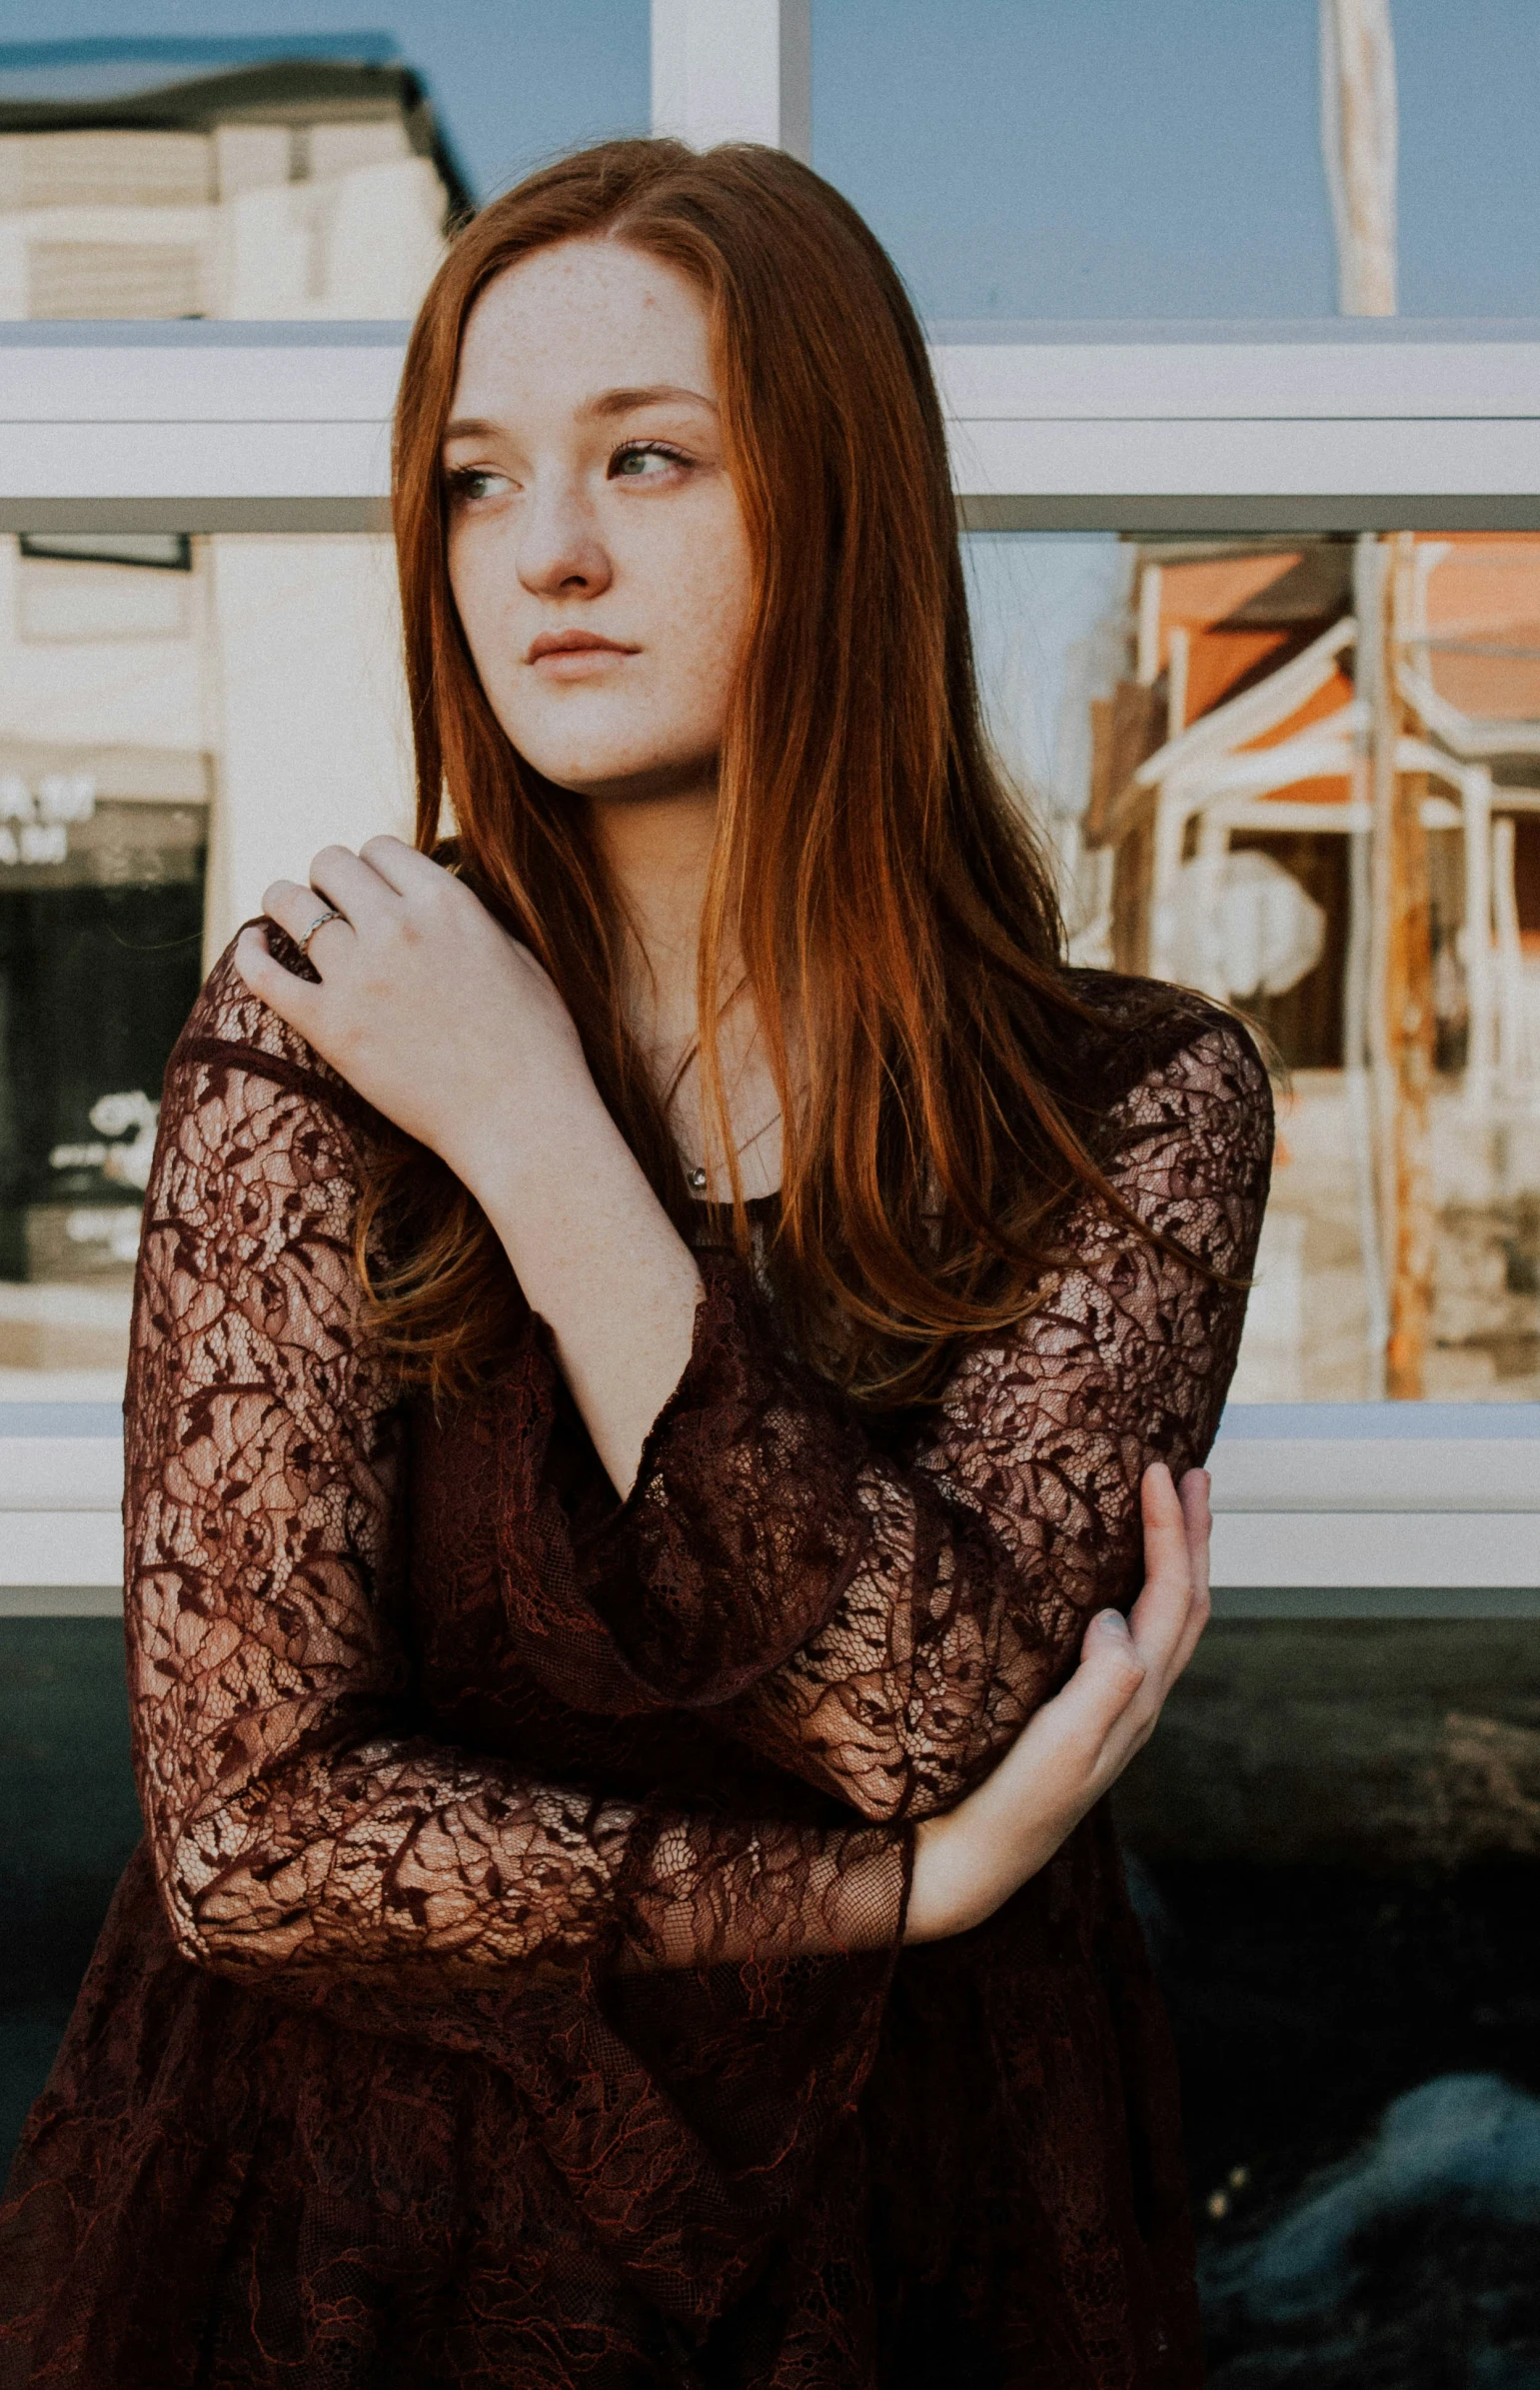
{"points": [[1112, 1623]]}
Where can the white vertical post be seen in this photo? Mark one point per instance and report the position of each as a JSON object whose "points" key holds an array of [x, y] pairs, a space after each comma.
{"points": [[1514, 1048], [733, 69], [1171, 811], [1481, 1050], [1358, 144], [1176, 681], [1213, 847], [314, 740], [1147, 669], [1369, 1089]]}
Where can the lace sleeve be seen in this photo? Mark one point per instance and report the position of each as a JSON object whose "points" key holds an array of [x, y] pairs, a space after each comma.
{"points": [[885, 1626], [300, 1836]]}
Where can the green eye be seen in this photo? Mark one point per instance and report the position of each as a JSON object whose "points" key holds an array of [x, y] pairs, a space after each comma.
{"points": [[471, 483], [630, 463]]}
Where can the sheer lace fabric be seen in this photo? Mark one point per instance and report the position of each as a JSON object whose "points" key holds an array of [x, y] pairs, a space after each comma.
{"points": [[542, 1863], [292, 1830], [884, 1622]]}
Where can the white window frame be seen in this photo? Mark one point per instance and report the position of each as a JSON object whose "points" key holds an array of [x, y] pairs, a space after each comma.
{"points": [[1323, 1512]]}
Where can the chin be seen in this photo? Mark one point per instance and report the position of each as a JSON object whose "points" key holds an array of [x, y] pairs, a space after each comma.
{"points": [[613, 772], [625, 784], [582, 772], [579, 745]]}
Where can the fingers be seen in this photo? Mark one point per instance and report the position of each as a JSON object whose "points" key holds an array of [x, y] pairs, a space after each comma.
{"points": [[341, 877], [1068, 1732], [1197, 1517], [1070, 1750], [365, 889], [1110, 1674], [402, 867], [1074, 1748], [1158, 1620], [292, 998], [346, 882], [296, 910], [1195, 1496]]}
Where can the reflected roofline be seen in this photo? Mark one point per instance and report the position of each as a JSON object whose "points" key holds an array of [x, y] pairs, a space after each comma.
{"points": [[297, 86]]}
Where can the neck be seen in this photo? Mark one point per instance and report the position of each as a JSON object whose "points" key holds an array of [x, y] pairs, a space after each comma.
{"points": [[658, 851]]}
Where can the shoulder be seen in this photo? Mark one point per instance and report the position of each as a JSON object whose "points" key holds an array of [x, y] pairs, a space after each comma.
{"points": [[1179, 1109], [1146, 1047], [230, 1035], [261, 1147]]}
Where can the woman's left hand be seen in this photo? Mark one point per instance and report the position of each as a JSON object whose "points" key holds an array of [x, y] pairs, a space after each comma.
{"points": [[426, 1005], [1074, 1750]]}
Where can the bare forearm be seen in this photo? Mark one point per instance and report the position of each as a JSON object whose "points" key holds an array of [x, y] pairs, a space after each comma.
{"points": [[598, 1257]]}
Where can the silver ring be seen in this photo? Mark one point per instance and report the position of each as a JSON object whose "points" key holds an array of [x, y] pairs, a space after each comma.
{"points": [[330, 914]]}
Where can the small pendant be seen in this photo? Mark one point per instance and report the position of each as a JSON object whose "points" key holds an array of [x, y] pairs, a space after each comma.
{"points": [[698, 1179]]}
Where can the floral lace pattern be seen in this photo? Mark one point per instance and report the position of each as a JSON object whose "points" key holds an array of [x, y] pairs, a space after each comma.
{"points": [[542, 1863], [885, 1624], [292, 1831]]}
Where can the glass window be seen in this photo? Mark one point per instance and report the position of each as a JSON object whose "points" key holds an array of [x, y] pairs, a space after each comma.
{"points": [[1187, 721], [1117, 159], [1184, 722], [101, 924], [67, 1790], [170, 740], [1110, 159], [300, 173]]}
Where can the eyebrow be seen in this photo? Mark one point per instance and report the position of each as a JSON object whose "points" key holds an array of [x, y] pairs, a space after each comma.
{"points": [[656, 394], [608, 403]]}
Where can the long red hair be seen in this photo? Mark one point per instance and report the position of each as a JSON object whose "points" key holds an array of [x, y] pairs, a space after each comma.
{"points": [[876, 875]]}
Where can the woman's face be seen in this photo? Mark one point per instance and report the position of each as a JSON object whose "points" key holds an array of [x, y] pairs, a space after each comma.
{"points": [[596, 550]]}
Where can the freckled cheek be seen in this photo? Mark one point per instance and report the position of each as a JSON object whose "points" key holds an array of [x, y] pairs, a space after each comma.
{"points": [[697, 677], [706, 617], [485, 597]]}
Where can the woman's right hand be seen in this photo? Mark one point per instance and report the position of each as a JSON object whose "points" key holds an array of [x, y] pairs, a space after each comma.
{"points": [[1075, 1748]]}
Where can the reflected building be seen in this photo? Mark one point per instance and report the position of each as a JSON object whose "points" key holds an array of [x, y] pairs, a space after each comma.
{"points": [[1324, 807], [179, 717], [262, 186]]}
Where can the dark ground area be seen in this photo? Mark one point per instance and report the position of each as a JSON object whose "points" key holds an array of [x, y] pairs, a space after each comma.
{"points": [[1361, 2052], [1361, 2063]]}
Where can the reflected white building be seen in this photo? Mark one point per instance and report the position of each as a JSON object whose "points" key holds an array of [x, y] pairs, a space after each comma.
{"points": [[306, 187], [180, 718]]}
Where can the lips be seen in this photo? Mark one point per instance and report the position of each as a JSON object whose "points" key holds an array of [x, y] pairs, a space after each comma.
{"points": [[575, 643]]}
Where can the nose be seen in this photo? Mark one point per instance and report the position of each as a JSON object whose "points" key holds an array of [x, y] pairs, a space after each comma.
{"points": [[560, 553]]}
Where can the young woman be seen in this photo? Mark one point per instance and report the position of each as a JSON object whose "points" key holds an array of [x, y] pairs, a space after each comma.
{"points": [[656, 1322]]}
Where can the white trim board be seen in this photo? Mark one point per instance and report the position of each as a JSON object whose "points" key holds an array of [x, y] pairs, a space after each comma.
{"points": [[1413, 1509], [1200, 427]]}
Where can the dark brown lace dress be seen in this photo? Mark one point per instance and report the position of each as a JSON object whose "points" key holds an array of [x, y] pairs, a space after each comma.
{"points": [[506, 1990]]}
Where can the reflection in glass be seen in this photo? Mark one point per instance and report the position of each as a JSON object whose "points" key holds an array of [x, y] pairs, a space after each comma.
{"points": [[1230, 797], [170, 740], [101, 931], [1300, 774], [242, 183]]}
